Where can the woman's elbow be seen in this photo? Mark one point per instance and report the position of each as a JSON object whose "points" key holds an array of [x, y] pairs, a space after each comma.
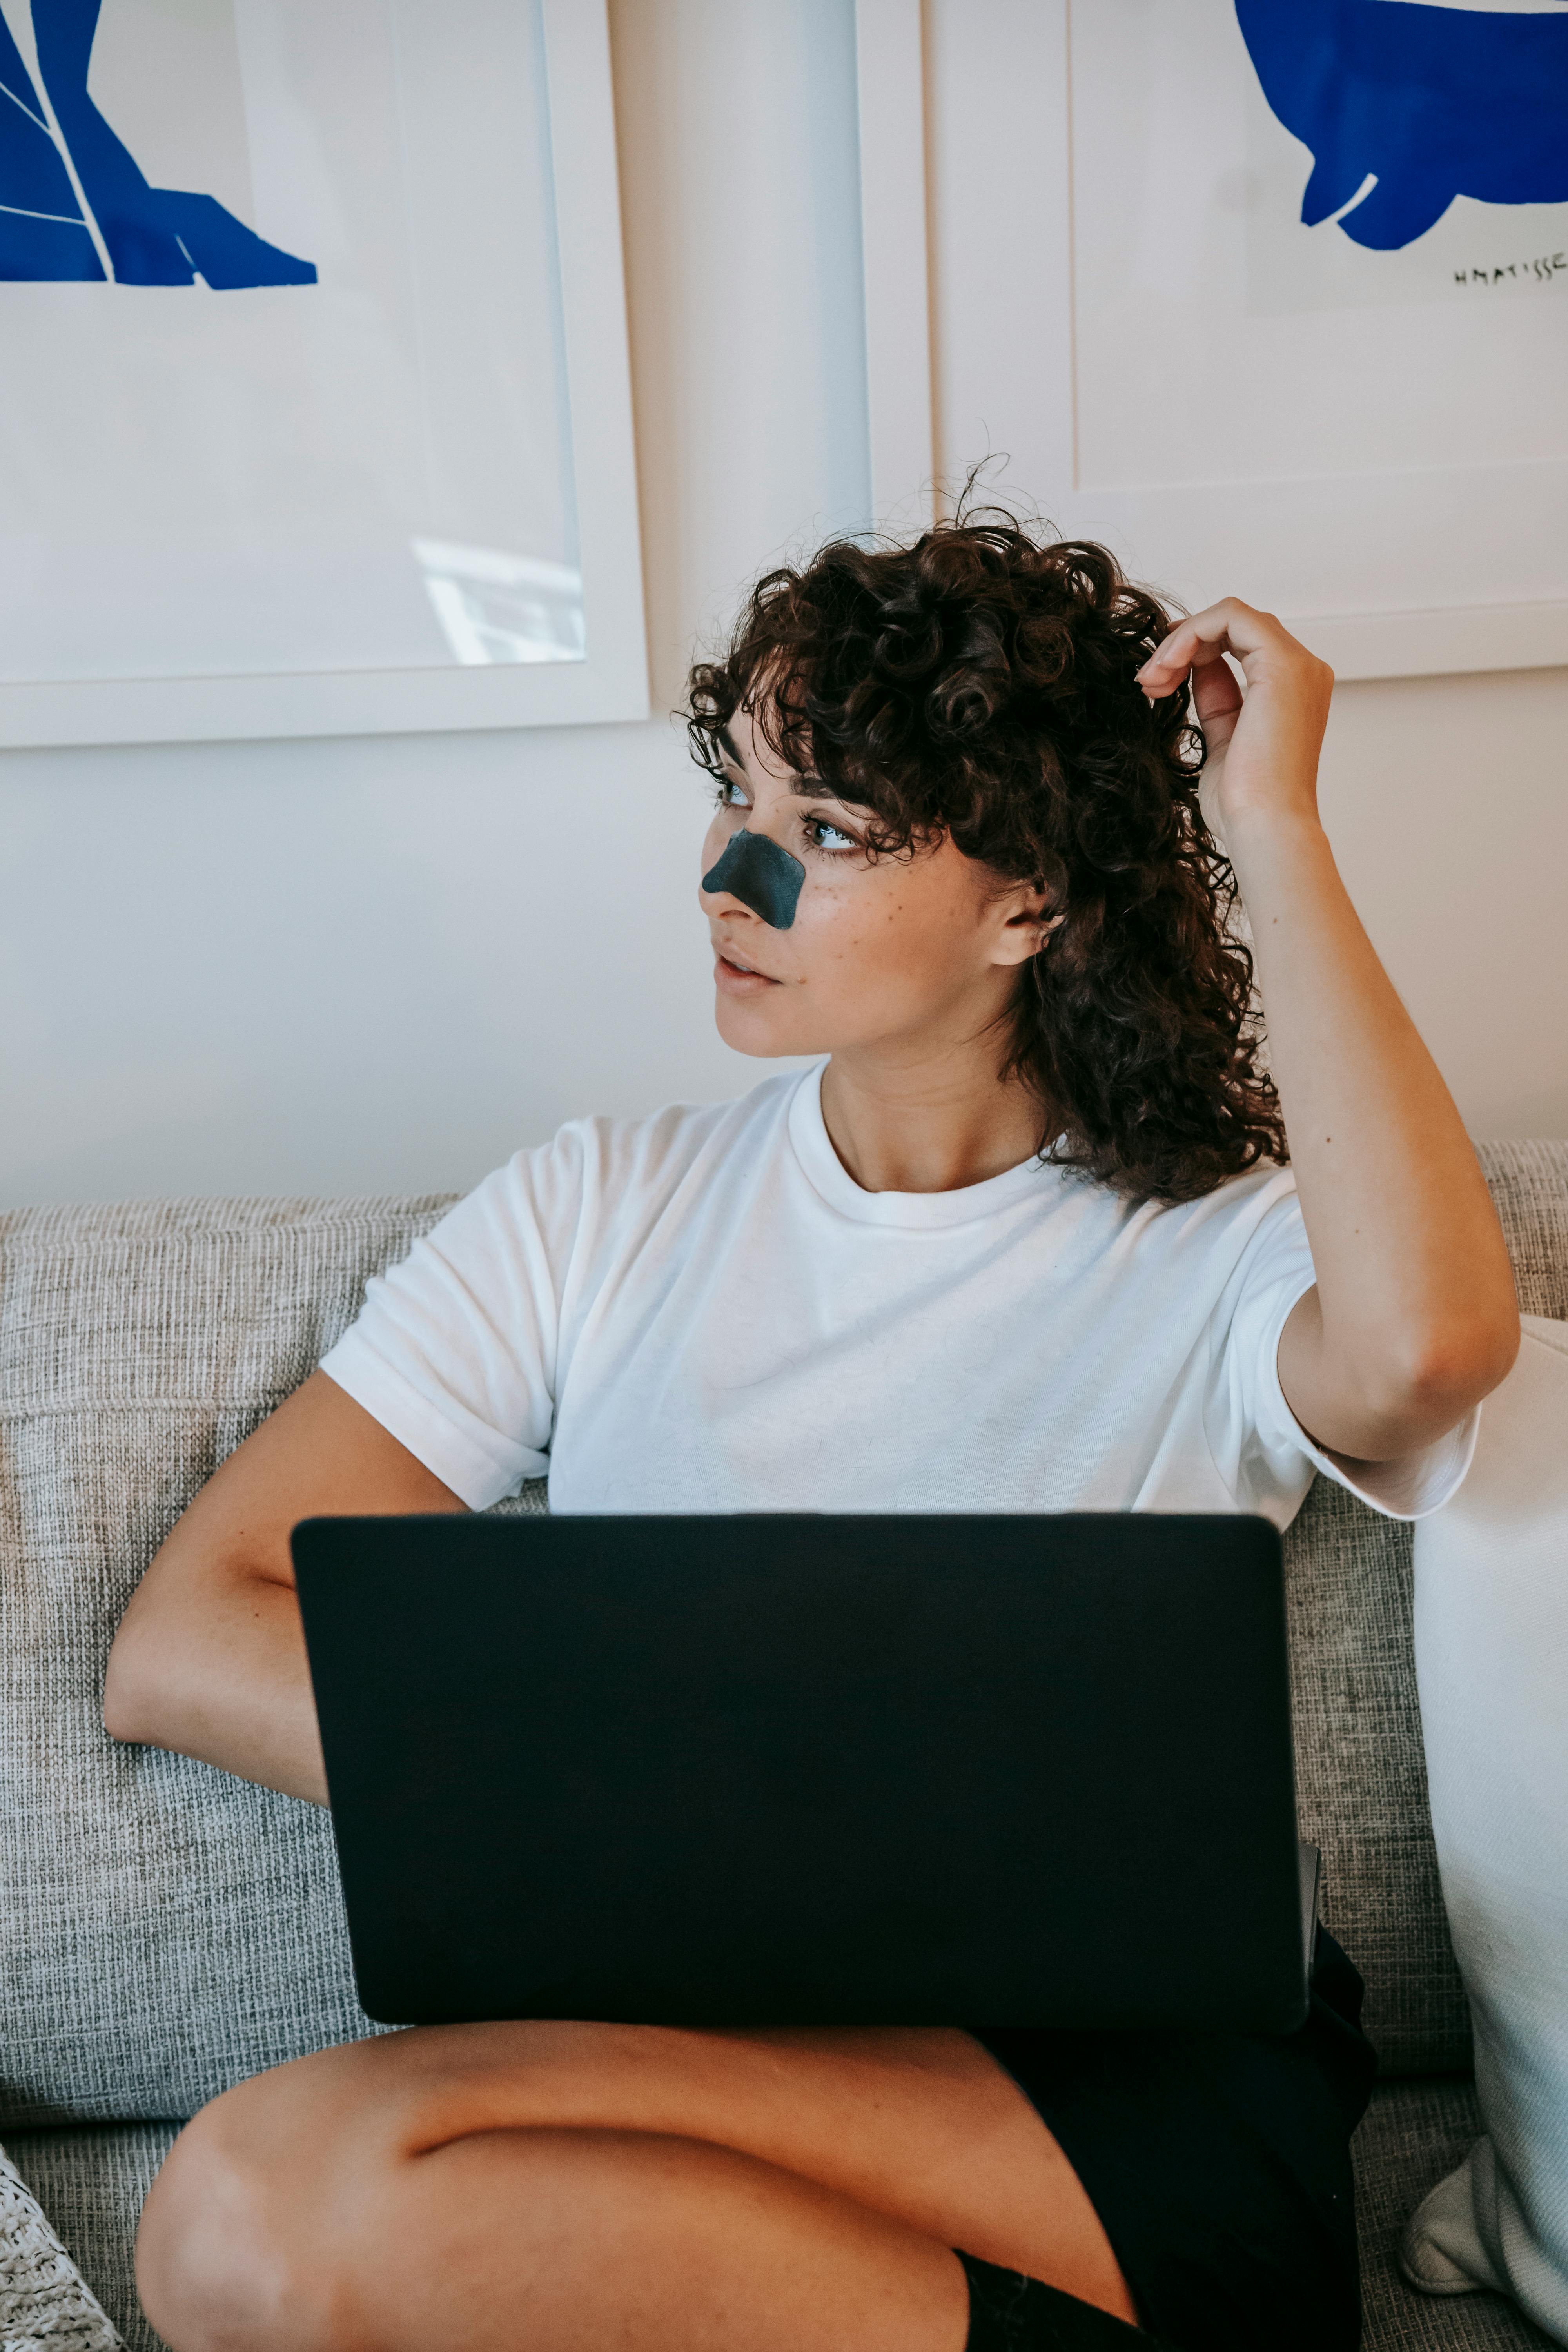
{"points": [[126, 1710], [1450, 1366], [139, 1682]]}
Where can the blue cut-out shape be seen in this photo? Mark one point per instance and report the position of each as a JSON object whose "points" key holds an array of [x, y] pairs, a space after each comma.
{"points": [[1434, 103], [42, 232], [153, 236]]}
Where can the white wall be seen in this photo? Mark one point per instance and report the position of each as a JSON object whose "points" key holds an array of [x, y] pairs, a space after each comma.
{"points": [[379, 965], [384, 963], [1446, 801]]}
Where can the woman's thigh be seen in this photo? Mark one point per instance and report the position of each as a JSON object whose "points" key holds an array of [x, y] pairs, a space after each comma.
{"points": [[308, 2180]]}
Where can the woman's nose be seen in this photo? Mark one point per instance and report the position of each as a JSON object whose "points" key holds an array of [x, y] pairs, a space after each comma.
{"points": [[763, 877]]}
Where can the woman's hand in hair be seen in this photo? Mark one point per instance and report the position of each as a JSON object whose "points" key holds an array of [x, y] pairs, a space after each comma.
{"points": [[1412, 1318], [1262, 746]]}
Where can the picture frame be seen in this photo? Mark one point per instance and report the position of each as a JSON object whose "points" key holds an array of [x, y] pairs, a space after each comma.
{"points": [[1232, 401], [506, 635]]}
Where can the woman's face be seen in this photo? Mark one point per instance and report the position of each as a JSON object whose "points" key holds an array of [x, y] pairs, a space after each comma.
{"points": [[904, 953]]}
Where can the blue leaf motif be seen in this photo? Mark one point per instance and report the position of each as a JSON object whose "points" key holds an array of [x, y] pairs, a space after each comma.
{"points": [[149, 237], [1424, 103]]}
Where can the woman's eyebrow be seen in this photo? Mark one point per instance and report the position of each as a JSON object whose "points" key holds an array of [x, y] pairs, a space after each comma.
{"points": [[812, 788], [802, 787]]}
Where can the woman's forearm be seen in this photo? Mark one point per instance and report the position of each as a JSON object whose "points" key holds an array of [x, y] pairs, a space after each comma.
{"points": [[1414, 1315], [210, 1656], [214, 1665]]}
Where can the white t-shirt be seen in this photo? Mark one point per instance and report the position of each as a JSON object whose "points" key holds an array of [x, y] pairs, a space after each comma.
{"points": [[701, 1311]]}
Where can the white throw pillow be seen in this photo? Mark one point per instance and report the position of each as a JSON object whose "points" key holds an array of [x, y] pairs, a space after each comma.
{"points": [[1492, 1664], [46, 2304]]}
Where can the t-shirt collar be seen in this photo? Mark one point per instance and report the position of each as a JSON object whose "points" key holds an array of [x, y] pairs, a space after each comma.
{"points": [[913, 1211]]}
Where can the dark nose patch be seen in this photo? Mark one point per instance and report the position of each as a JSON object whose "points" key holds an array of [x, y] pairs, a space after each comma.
{"points": [[764, 876]]}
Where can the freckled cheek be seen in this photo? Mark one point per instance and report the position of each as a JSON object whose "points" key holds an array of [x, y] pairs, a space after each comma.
{"points": [[858, 941], [831, 931]]}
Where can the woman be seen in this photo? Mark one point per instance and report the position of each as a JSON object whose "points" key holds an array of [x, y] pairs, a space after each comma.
{"points": [[1024, 1240]]}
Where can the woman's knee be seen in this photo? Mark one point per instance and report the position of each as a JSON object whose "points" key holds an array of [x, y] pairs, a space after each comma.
{"points": [[248, 2244]]}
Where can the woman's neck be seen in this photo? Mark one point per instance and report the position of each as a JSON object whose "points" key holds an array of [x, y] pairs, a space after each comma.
{"points": [[930, 1128]]}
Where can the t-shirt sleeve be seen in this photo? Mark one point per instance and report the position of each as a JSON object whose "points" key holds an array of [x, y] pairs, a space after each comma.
{"points": [[455, 1348], [1260, 1449]]}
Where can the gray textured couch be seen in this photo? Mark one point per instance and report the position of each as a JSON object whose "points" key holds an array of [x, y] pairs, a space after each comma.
{"points": [[167, 1930]]}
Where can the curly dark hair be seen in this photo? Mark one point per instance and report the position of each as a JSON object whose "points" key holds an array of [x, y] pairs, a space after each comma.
{"points": [[980, 684]]}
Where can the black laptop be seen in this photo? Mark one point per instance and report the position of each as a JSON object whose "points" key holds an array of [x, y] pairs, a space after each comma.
{"points": [[777, 1769]]}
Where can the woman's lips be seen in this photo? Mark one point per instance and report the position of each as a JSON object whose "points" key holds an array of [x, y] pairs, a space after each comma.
{"points": [[737, 980]]}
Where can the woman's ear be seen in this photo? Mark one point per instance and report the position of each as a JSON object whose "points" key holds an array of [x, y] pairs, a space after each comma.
{"points": [[1024, 923]]}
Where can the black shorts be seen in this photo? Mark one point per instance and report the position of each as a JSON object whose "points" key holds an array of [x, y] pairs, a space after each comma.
{"points": [[1219, 2163]]}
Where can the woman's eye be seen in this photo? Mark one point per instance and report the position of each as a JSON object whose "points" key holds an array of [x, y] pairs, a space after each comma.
{"points": [[731, 793], [823, 836]]}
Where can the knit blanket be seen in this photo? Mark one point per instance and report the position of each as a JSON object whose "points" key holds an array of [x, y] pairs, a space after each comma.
{"points": [[46, 2304]]}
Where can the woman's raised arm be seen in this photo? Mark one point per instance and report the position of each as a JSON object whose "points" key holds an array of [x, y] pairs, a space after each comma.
{"points": [[209, 1659], [1414, 1317]]}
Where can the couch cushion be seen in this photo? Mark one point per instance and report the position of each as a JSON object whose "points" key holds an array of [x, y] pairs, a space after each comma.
{"points": [[1413, 2133], [1529, 1184], [164, 1928], [1361, 1777]]}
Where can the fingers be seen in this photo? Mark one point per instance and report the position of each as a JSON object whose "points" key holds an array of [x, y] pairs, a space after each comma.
{"points": [[1216, 694], [1228, 627]]}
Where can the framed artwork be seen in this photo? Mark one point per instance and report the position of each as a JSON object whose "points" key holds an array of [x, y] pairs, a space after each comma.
{"points": [[1271, 295], [315, 410]]}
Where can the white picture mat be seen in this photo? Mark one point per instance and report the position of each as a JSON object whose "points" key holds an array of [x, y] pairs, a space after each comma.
{"points": [[1389, 568], [216, 484], [489, 493]]}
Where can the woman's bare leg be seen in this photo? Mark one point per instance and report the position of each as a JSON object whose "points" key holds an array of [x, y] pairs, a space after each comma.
{"points": [[568, 2188], [564, 2241]]}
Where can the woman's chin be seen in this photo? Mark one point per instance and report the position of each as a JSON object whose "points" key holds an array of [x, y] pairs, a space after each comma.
{"points": [[746, 1028]]}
